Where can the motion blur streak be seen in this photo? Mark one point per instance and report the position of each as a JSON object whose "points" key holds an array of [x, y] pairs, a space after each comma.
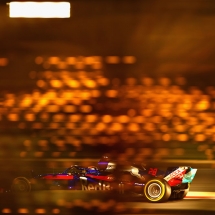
{"points": [[200, 195]]}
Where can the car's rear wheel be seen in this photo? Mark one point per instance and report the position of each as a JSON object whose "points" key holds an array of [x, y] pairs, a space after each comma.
{"points": [[21, 184], [157, 190]]}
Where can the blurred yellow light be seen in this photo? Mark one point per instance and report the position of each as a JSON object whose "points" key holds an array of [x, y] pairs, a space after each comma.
{"points": [[90, 83], [26, 102], [51, 94], [203, 105], [43, 102], [39, 9], [73, 83], [85, 95]]}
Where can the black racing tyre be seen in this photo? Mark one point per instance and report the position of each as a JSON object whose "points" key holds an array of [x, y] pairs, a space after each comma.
{"points": [[21, 185], [157, 190]]}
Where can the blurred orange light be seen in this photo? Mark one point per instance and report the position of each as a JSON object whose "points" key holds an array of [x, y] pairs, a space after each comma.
{"points": [[41, 83], [85, 108], [52, 108], [39, 60], [91, 118], [53, 60], [107, 118], [129, 59], [123, 119], [40, 211], [73, 83], [3, 61], [111, 93], [116, 127], [71, 60], [90, 83], [112, 59], [13, 116], [69, 108], [30, 117], [133, 127], [101, 126]]}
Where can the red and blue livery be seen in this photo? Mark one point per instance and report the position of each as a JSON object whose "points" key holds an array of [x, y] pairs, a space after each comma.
{"points": [[154, 184]]}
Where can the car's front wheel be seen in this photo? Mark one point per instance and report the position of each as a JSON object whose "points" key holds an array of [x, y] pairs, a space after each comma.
{"points": [[157, 190], [21, 184]]}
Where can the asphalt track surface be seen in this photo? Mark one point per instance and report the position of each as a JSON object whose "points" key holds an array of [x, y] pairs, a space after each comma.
{"points": [[200, 200]]}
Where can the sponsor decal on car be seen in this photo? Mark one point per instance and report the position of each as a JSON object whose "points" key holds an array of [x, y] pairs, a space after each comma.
{"points": [[100, 185], [178, 173]]}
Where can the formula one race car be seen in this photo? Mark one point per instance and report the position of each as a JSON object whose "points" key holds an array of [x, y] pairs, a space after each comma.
{"points": [[153, 184]]}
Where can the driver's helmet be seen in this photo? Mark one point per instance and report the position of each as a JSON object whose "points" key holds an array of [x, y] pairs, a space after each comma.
{"points": [[92, 169], [105, 164]]}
